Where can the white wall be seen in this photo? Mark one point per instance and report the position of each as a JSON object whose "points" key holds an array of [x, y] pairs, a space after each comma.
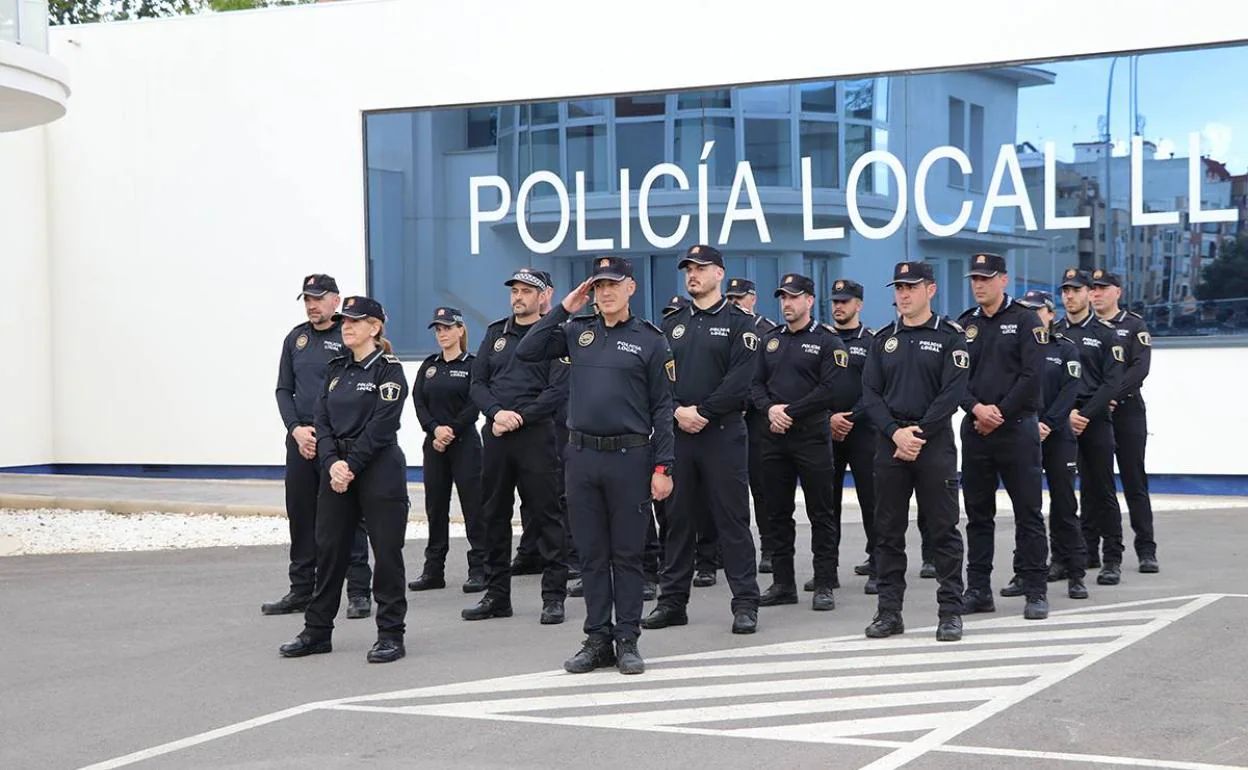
{"points": [[207, 163]]}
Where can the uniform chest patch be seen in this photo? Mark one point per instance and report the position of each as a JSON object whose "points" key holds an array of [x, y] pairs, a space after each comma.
{"points": [[931, 346], [972, 331], [365, 387], [334, 346], [719, 331], [814, 350], [586, 339], [1041, 334], [301, 342], [628, 347], [773, 345], [841, 357], [961, 359], [1074, 369], [499, 344], [1009, 328], [1091, 342], [460, 373], [431, 372], [750, 339], [678, 331], [333, 383], [857, 350], [890, 344]]}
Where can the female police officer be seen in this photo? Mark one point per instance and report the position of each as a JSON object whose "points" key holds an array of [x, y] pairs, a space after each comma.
{"points": [[452, 450], [357, 419]]}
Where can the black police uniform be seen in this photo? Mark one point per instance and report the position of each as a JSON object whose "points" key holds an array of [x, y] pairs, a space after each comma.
{"points": [[524, 459], [306, 353], [1006, 362], [801, 369], [916, 375], [441, 396], [357, 421], [1060, 384], [619, 395], [657, 532]]}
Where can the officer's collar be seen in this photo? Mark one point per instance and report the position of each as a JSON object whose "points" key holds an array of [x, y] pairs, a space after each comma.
{"points": [[1121, 315], [979, 309], [786, 330], [858, 332], [1086, 320], [511, 324], [367, 362], [463, 356], [713, 309], [627, 323], [931, 323]]}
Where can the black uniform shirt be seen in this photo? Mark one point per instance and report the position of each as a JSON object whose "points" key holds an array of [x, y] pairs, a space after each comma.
{"points": [[362, 403], [441, 394], [915, 375], [714, 350], [621, 376], [1132, 334], [500, 381], [1060, 383], [803, 369], [849, 389], [762, 324], [1006, 357], [1101, 360], [306, 353]]}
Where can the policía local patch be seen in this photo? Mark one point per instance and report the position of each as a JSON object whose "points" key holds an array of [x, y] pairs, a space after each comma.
{"points": [[586, 339], [390, 391], [499, 344], [302, 342]]}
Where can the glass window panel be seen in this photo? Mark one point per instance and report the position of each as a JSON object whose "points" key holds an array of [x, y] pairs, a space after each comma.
{"points": [[975, 148], [880, 103], [482, 126], [764, 99], [858, 143], [957, 138], [767, 148], [819, 143], [587, 151], [819, 97], [506, 118], [692, 133], [859, 96], [704, 100], [639, 106], [766, 278], [539, 151], [507, 158], [544, 113], [638, 148], [586, 108], [667, 283]]}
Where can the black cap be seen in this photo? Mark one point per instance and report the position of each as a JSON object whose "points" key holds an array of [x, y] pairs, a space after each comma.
{"points": [[361, 307], [674, 304], [529, 277], [844, 289], [318, 285], [911, 272], [550, 282], [701, 254], [987, 265], [1075, 277], [612, 269], [739, 287], [794, 284], [1105, 278], [446, 316], [1036, 299]]}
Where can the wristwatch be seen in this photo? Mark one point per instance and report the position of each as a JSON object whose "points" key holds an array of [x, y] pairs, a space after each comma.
{"points": [[666, 470]]}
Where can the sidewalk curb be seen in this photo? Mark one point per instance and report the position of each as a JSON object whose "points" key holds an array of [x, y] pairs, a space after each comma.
{"points": [[129, 507]]}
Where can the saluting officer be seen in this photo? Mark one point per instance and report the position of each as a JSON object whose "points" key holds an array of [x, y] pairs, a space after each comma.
{"points": [[795, 383], [743, 293], [306, 353], [853, 435], [519, 400], [365, 477], [1059, 385], [620, 450], [452, 451], [1001, 436], [914, 379], [1130, 417], [714, 343], [1102, 360]]}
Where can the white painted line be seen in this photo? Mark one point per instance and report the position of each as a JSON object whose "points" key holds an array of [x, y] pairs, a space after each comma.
{"points": [[1059, 756], [819, 732]]}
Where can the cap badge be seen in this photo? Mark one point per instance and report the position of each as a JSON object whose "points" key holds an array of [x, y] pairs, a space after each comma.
{"points": [[840, 285], [1098, 274], [905, 268], [311, 280], [788, 279], [604, 262], [696, 250], [351, 302], [981, 259]]}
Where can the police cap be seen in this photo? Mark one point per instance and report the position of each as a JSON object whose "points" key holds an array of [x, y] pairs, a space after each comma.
{"points": [[911, 272], [701, 254], [1105, 278], [739, 287], [1036, 299], [611, 269], [1076, 278], [794, 284], [446, 316], [674, 304], [317, 285], [844, 289], [987, 265], [361, 307], [529, 277]]}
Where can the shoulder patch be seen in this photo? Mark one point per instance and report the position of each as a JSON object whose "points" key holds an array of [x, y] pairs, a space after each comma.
{"points": [[829, 327], [392, 358], [1137, 315]]}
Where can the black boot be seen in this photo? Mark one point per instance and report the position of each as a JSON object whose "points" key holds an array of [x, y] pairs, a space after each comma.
{"points": [[305, 645], [949, 629], [628, 658], [976, 600], [595, 653], [386, 651], [1013, 588], [778, 594], [289, 603], [1110, 574], [359, 607], [886, 623], [488, 607], [427, 582]]}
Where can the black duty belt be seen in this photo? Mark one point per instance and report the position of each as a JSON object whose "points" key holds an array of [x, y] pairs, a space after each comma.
{"points": [[606, 443]]}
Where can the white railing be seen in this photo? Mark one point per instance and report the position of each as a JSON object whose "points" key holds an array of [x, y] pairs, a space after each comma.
{"points": [[24, 22]]}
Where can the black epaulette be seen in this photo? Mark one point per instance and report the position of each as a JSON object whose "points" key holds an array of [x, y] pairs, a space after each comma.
{"points": [[968, 311], [430, 359], [392, 358], [740, 310], [1106, 324], [342, 359], [648, 323], [829, 327], [584, 315], [954, 325], [299, 326], [499, 322], [1137, 315]]}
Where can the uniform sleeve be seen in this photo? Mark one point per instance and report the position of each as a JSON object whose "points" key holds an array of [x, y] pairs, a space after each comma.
{"points": [[382, 428], [546, 340], [859, 411], [1139, 358], [969, 402], [286, 388], [735, 386], [326, 446], [831, 370], [466, 419], [873, 394], [952, 388], [1112, 371], [423, 415], [1023, 395], [1057, 414], [659, 378], [482, 396], [552, 396], [759, 396]]}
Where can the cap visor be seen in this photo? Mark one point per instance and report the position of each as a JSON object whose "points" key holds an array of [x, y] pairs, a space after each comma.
{"points": [[356, 316], [983, 273], [303, 294], [694, 261], [442, 322], [736, 293], [842, 297], [1103, 283], [614, 277], [790, 292], [1072, 284], [904, 280]]}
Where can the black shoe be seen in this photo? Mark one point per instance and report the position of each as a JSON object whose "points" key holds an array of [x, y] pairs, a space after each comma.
{"points": [[649, 591], [1094, 561], [886, 623], [628, 658], [1149, 565], [427, 583], [764, 564], [949, 629], [809, 585], [1075, 589], [872, 586], [864, 568], [744, 621], [975, 600], [488, 607], [574, 574], [576, 589], [777, 594], [305, 645], [359, 607], [1110, 574], [286, 605], [704, 578], [1057, 572], [386, 651], [1037, 608], [662, 617], [595, 653], [1013, 588], [525, 566], [823, 600], [552, 613], [475, 584], [927, 571]]}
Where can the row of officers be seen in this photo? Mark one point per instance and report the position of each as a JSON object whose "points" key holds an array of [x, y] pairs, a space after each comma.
{"points": [[635, 449]]}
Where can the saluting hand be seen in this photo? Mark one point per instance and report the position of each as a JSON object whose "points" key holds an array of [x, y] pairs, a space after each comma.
{"points": [[660, 486], [578, 297]]}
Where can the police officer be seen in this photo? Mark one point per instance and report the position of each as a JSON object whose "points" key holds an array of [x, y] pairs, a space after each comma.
{"points": [[1101, 359], [853, 435], [519, 400], [452, 451], [1001, 436], [795, 383], [1060, 382], [913, 381], [365, 477], [1130, 417], [743, 293], [306, 353], [620, 450], [713, 342]]}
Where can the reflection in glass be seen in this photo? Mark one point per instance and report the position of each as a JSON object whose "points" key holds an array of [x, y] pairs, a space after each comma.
{"points": [[587, 151], [638, 148], [638, 106], [544, 113], [692, 133], [704, 100], [539, 151], [859, 98], [857, 144], [586, 108], [818, 97], [767, 148], [482, 126], [819, 143], [765, 99]]}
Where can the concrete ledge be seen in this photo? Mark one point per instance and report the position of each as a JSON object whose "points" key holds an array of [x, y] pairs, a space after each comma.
{"points": [[124, 507]]}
